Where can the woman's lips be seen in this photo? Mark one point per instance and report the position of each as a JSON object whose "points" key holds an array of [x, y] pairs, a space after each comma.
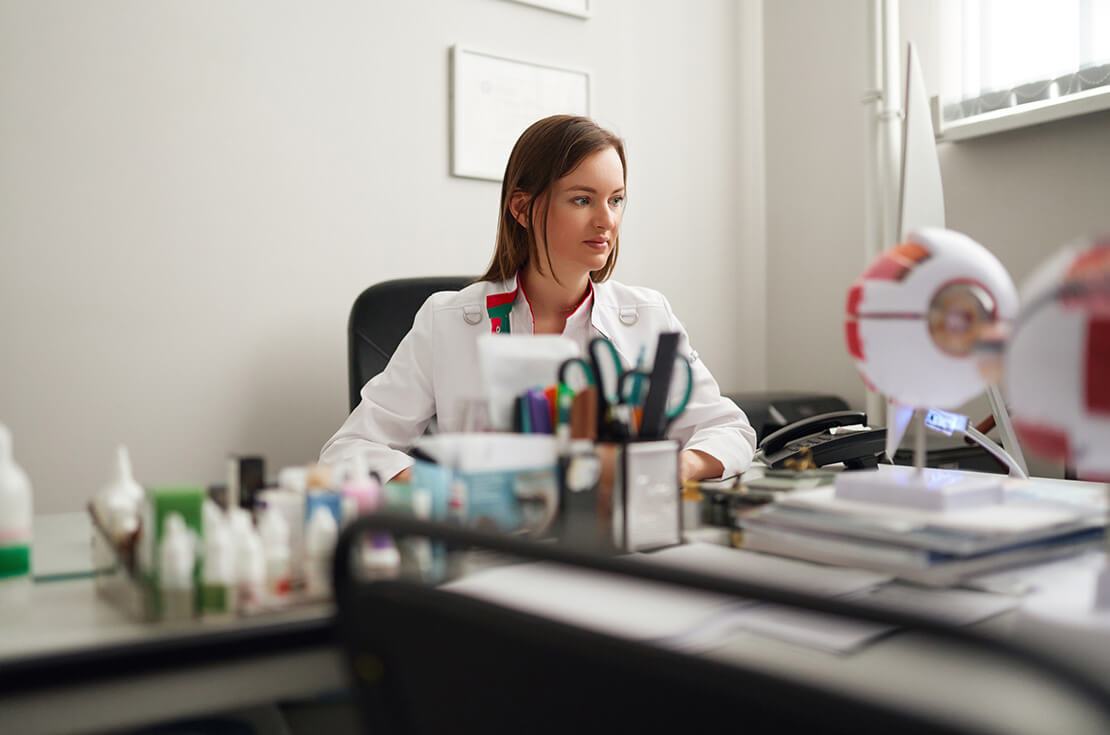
{"points": [[598, 244]]}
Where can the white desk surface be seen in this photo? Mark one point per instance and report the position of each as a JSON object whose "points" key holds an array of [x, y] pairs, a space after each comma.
{"points": [[67, 616]]}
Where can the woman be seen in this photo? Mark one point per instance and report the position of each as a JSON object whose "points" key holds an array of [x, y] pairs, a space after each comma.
{"points": [[557, 242]]}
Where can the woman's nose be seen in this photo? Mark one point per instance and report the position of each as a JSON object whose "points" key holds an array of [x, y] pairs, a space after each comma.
{"points": [[606, 219]]}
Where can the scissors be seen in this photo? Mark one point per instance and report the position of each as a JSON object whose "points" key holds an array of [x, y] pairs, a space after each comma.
{"points": [[607, 365], [658, 411], [628, 385], [586, 369]]}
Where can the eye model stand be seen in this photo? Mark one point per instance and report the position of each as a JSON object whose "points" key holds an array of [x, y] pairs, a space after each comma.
{"points": [[927, 488]]}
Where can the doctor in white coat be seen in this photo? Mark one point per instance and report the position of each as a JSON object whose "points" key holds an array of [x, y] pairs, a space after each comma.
{"points": [[557, 243]]}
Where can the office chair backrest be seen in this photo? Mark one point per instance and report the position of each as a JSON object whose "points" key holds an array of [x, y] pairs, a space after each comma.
{"points": [[426, 660], [380, 318]]}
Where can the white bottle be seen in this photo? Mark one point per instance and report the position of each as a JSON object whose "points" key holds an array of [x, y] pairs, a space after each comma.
{"points": [[176, 563], [320, 538], [118, 503], [419, 546], [15, 527], [380, 558], [250, 562], [218, 592], [275, 545]]}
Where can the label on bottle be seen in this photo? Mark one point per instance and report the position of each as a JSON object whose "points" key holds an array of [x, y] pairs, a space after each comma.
{"points": [[15, 561]]}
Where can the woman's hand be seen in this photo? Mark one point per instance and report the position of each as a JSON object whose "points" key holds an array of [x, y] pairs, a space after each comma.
{"points": [[695, 464], [404, 475]]}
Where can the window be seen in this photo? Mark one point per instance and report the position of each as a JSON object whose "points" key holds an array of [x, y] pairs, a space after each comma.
{"points": [[1001, 54]]}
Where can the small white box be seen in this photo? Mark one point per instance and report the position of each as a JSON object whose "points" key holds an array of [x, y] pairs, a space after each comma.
{"points": [[925, 489]]}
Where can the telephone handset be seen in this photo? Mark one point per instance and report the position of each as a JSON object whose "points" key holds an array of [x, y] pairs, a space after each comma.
{"points": [[857, 449]]}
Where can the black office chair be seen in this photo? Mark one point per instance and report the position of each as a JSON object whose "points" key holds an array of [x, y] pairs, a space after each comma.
{"points": [[380, 318], [425, 660]]}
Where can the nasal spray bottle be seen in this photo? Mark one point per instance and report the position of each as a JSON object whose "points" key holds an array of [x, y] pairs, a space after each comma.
{"points": [[274, 531], [15, 527], [119, 503], [379, 558], [320, 538], [218, 590], [250, 562], [176, 563]]}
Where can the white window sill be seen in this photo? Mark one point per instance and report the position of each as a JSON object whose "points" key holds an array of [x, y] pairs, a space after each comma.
{"points": [[1030, 113]]}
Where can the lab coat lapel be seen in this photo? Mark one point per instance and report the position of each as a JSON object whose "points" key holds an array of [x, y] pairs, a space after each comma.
{"points": [[605, 318], [499, 305]]}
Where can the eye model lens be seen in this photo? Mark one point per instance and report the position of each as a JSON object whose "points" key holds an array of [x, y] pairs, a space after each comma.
{"points": [[958, 315]]}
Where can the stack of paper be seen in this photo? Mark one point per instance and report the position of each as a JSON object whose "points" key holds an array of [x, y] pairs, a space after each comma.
{"points": [[938, 548]]}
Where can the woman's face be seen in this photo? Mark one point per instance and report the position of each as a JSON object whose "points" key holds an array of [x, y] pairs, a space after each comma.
{"points": [[584, 214]]}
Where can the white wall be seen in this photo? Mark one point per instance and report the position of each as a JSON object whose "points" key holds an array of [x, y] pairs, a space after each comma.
{"points": [[192, 195], [1021, 193], [815, 77]]}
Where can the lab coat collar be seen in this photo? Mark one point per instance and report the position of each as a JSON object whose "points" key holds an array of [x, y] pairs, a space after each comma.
{"points": [[503, 294], [606, 315], [605, 307]]}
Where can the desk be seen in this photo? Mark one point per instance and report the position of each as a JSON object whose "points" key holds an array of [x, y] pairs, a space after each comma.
{"points": [[72, 660]]}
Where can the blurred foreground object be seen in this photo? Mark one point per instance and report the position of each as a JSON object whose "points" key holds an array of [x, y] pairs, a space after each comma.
{"points": [[1057, 366]]}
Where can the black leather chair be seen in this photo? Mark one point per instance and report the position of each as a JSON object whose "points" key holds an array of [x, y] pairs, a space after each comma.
{"points": [[381, 317], [426, 660]]}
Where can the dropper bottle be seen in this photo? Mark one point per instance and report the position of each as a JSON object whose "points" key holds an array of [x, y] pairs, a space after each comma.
{"points": [[175, 570], [218, 592], [275, 546], [320, 539], [15, 527], [119, 502]]}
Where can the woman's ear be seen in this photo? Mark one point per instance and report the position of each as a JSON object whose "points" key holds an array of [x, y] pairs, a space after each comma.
{"points": [[518, 207]]}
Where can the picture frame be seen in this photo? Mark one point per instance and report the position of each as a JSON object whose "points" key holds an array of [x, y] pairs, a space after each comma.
{"points": [[494, 98]]}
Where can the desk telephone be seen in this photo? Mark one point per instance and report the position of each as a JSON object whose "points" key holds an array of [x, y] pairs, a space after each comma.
{"points": [[856, 449]]}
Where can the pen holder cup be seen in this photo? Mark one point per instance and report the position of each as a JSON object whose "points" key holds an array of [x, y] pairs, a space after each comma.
{"points": [[633, 504]]}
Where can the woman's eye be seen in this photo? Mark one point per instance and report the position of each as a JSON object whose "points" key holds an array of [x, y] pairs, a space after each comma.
{"points": [[581, 200], [617, 201]]}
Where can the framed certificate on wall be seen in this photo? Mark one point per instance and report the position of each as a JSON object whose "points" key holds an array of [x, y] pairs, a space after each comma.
{"points": [[495, 98]]}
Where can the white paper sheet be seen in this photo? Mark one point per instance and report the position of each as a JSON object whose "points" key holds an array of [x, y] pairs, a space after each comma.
{"points": [[808, 629], [954, 606], [611, 604], [723, 561]]}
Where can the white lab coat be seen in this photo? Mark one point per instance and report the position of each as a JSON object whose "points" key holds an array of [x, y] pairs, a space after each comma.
{"points": [[435, 372]]}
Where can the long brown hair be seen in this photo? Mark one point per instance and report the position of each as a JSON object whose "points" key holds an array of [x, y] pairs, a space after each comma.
{"points": [[547, 151]]}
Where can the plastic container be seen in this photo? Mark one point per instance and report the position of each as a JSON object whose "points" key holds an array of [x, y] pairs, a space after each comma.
{"points": [[274, 532], [119, 503], [320, 539], [15, 526], [176, 566], [218, 592]]}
